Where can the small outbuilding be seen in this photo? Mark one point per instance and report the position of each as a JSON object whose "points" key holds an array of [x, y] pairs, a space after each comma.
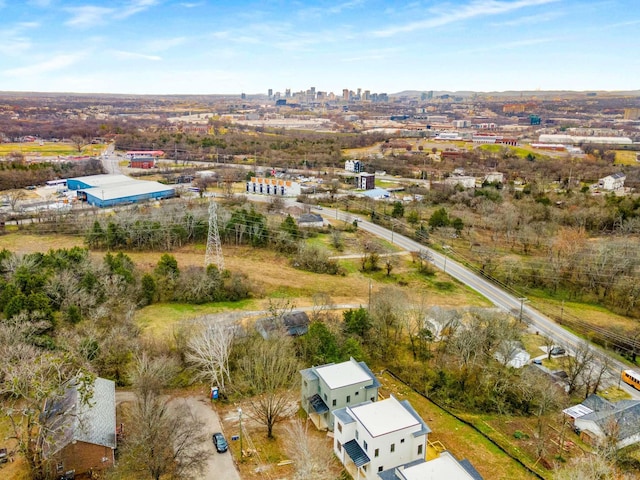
{"points": [[311, 220]]}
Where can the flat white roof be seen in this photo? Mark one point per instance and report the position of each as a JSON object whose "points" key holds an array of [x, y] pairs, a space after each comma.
{"points": [[384, 416], [445, 466], [104, 179], [577, 411], [342, 374], [131, 188]]}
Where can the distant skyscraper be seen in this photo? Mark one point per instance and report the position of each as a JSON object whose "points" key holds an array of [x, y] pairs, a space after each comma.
{"points": [[287, 93], [359, 94], [345, 94], [243, 96], [367, 95], [270, 92]]}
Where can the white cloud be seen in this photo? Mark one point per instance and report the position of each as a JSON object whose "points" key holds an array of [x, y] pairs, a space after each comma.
{"points": [[477, 8], [191, 4], [135, 56], [57, 62], [88, 16], [135, 6]]}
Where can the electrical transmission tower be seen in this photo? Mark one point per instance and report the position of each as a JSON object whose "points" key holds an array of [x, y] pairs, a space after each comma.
{"points": [[214, 249]]}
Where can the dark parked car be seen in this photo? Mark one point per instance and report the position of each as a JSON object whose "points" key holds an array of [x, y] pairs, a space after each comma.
{"points": [[220, 442], [558, 351]]}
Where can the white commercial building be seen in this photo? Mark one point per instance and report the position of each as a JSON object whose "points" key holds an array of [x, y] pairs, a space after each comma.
{"points": [[577, 139], [373, 437]]}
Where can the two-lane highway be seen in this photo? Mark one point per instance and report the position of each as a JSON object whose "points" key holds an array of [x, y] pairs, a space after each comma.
{"points": [[496, 295]]}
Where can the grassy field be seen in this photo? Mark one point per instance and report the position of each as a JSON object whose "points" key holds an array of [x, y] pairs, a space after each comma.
{"points": [[626, 157], [458, 438], [48, 149]]}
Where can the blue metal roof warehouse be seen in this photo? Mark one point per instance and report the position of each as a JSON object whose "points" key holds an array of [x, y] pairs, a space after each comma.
{"points": [[110, 190]]}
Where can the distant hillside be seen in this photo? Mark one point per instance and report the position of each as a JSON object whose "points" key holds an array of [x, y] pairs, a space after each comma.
{"points": [[516, 94]]}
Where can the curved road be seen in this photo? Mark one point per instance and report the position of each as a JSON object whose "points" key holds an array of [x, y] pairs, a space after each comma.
{"points": [[495, 294]]}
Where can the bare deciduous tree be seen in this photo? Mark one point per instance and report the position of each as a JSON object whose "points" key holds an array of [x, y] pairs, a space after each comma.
{"points": [[312, 456], [29, 377], [164, 437], [208, 350], [269, 369]]}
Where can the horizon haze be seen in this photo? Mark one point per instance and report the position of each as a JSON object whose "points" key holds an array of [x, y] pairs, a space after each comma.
{"points": [[199, 47]]}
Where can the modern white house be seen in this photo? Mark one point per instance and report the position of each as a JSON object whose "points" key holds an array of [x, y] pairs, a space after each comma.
{"points": [[355, 166], [332, 386], [612, 182], [373, 437], [444, 467]]}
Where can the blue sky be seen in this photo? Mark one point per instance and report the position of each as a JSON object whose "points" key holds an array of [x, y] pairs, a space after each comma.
{"points": [[205, 46]]}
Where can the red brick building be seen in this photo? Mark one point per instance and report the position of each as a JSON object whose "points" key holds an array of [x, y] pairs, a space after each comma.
{"points": [[81, 437]]}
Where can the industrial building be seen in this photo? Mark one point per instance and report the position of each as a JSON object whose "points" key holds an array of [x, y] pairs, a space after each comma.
{"points": [[110, 190]]}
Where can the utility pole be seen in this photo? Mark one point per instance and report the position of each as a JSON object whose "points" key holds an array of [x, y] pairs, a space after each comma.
{"points": [[240, 413]]}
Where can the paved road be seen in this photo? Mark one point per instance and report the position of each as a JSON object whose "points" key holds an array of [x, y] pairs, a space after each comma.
{"points": [[219, 465], [110, 161], [495, 294]]}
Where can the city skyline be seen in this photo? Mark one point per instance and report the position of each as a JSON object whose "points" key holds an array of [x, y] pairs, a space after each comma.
{"points": [[209, 47]]}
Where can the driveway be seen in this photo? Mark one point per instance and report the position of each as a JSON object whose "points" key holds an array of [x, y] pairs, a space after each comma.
{"points": [[219, 465]]}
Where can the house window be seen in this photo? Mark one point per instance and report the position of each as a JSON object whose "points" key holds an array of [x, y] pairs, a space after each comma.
{"points": [[357, 393], [419, 449], [364, 469], [380, 468], [339, 446], [325, 397], [305, 384], [373, 399], [340, 427], [60, 467], [393, 447], [348, 398], [357, 435], [333, 403], [402, 440], [377, 452], [365, 445]]}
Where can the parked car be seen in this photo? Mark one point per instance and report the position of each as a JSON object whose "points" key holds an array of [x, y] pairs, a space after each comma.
{"points": [[220, 442], [558, 351]]}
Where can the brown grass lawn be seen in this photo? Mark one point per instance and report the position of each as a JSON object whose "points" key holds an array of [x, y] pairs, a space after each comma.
{"points": [[268, 458]]}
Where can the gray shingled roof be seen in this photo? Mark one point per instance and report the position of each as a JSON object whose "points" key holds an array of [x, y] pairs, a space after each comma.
{"points": [[67, 419], [626, 417]]}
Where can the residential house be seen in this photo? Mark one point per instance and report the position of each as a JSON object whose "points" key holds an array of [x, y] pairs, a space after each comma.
{"points": [[355, 166], [619, 421], [293, 324], [81, 435], [332, 386], [445, 466], [373, 437], [311, 220], [612, 182]]}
